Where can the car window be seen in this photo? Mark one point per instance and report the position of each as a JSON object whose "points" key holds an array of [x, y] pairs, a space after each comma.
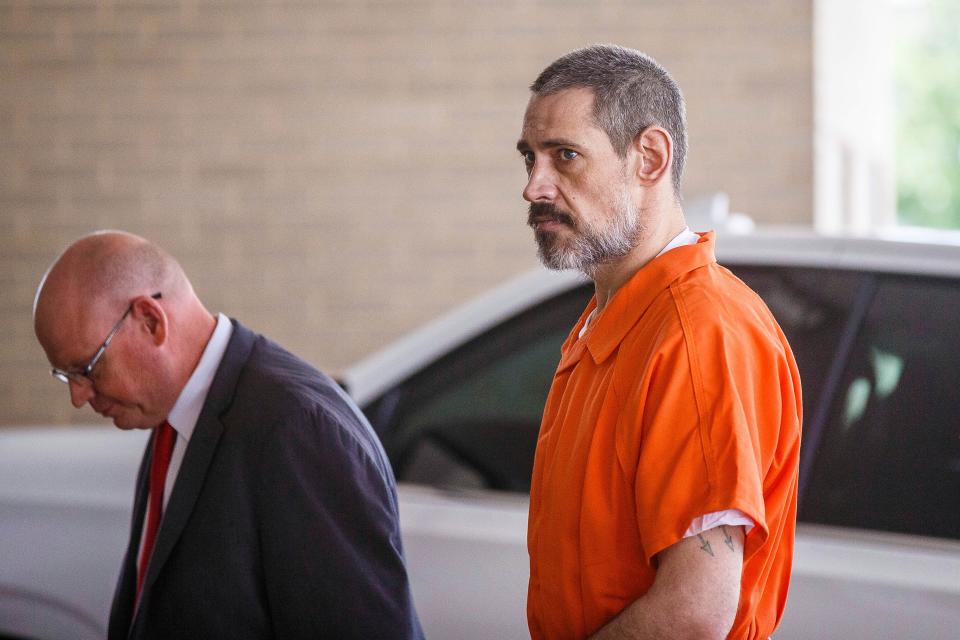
{"points": [[889, 458], [812, 307], [471, 420]]}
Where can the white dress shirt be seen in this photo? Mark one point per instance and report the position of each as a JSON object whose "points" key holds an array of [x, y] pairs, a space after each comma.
{"points": [[183, 417]]}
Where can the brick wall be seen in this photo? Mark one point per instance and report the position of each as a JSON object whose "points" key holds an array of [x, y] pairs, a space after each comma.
{"points": [[335, 173]]}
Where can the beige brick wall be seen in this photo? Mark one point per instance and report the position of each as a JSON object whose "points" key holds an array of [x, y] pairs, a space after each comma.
{"points": [[335, 172]]}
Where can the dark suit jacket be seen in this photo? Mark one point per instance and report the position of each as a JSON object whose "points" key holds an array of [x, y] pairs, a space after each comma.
{"points": [[282, 522]]}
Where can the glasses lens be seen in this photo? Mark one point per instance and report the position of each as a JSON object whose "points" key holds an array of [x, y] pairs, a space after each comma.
{"points": [[61, 376]]}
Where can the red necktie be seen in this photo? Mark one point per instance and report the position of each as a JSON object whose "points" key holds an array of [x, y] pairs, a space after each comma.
{"points": [[163, 442]]}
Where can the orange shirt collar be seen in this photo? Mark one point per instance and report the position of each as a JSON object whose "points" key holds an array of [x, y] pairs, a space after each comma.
{"points": [[628, 304]]}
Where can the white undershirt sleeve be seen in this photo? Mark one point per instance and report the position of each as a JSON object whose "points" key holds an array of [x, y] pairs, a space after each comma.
{"points": [[728, 517]]}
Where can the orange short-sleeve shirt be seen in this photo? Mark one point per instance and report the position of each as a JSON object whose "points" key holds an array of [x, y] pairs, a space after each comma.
{"points": [[681, 399]]}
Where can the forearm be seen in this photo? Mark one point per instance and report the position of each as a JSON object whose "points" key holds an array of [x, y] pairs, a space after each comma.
{"points": [[644, 619], [695, 594]]}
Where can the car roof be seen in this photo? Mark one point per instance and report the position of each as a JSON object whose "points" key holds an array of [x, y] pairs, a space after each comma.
{"points": [[912, 252]]}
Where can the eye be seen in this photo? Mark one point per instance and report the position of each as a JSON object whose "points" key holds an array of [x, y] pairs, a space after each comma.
{"points": [[527, 157], [568, 154]]}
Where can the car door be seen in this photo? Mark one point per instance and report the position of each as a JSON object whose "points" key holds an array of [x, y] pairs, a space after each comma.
{"points": [[461, 434], [878, 551]]}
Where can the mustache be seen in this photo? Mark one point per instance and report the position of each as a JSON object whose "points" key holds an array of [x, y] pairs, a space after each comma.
{"points": [[542, 211]]}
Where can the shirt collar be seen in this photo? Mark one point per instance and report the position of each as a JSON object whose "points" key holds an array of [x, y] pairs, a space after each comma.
{"points": [[683, 238], [183, 417], [628, 304]]}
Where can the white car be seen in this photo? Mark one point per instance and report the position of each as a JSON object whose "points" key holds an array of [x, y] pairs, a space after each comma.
{"points": [[873, 324]]}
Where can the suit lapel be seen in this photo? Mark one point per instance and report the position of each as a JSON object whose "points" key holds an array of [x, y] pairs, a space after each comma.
{"points": [[121, 612], [199, 455]]}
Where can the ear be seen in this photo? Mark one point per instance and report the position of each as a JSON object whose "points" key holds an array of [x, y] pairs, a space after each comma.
{"points": [[654, 150], [151, 317]]}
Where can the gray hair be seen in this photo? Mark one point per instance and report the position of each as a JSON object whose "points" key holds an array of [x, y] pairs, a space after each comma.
{"points": [[631, 92]]}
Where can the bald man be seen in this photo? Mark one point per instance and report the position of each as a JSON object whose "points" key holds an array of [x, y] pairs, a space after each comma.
{"points": [[265, 506]]}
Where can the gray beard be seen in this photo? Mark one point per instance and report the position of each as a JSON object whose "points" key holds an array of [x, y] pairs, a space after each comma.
{"points": [[592, 247]]}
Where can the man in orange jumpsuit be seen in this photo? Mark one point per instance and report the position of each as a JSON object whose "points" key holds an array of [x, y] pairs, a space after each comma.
{"points": [[664, 491]]}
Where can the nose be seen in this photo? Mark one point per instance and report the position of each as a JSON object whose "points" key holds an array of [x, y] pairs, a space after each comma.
{"points": [[80, 393], [541, 186]]}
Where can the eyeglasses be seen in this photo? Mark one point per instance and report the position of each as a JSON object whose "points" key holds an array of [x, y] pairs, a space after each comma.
{"points": [[83, 376]]}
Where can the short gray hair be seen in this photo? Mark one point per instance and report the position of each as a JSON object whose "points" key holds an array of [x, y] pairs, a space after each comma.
{"points": [[631, 92]]}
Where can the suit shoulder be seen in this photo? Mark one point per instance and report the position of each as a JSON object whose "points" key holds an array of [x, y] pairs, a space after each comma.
{"points": [[278, 391], [280, 379]]}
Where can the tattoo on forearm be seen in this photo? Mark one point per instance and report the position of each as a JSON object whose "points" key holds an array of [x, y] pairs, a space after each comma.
{"points": [[705, 544], [727, 538]]}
